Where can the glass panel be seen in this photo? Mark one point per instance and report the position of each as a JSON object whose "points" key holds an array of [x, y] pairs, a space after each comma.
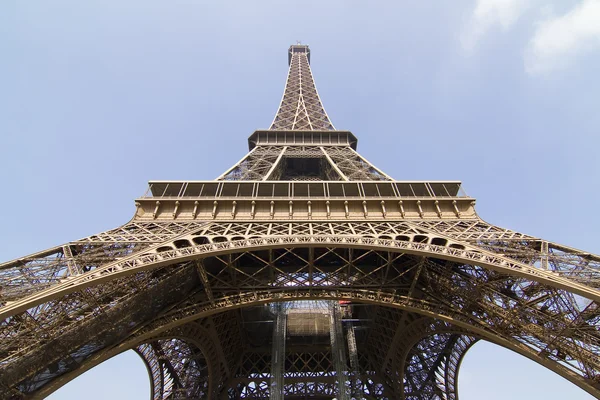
{"points": [[193, 189], [370, 189], [405, 189], [281, 189], [158, 189], [439, 189], [452, 188], [385, 189], [245, 189], [173, 189], [316, 189], [420, 190], [335, 190], [209, 189], [300, 189], [351, 189], [265, 189], [229, 189]]}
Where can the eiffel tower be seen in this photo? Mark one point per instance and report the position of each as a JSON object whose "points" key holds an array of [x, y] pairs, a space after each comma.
{"points": [[302, 272]]}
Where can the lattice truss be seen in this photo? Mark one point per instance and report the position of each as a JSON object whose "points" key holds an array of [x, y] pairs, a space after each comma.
{"points": [[300, 107], [69, 311], [193, 297], [337, 163]]}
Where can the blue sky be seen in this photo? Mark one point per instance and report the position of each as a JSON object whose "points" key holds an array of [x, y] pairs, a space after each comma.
{"points": [[98, 97]]}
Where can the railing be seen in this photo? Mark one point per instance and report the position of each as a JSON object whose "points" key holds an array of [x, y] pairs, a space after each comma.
{"points": [[296, 189]]}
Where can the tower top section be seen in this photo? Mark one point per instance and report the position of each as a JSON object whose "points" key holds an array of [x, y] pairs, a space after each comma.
{"points": [[298, 48], [301, 108]]}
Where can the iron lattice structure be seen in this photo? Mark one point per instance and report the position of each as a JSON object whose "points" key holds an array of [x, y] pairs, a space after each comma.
{"points": [[301, 272]]}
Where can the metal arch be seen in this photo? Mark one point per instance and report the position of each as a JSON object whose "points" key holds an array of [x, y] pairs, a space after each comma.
{"points": [[286, 242], [445, 346], [44, 353], [192, 332], [148, 261], [153, 367], [434, 311], [72, 305], [163, 365], [30, 274], [193, 313]]}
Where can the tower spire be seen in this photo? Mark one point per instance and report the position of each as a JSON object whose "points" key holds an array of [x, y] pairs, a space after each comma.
{"points": [[301, 107]]}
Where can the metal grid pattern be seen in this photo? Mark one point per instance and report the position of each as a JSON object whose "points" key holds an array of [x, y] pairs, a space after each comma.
{"points": [[267, 163], [300, 107], [187, 294]]}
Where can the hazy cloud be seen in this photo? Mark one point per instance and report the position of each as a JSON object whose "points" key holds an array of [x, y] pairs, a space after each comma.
{"points": [[489, 14], [557, 41]]}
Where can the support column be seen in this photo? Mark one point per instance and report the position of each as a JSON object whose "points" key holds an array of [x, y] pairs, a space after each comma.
{"points": [[278, 353], [338, 350], [356, 384]]}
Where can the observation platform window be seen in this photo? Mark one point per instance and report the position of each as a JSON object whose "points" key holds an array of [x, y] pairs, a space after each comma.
{"points": [[281, 190], [161, 189], [385, 189], [233, 189], [370, 189], [245, 189], [420, 190], [173, 189], [158, 189], [193, 189], [229, 190], [351, 190], [301, 189], [439, 189], [336, 190], [405, 189], [210, 189], [445, 189], [453, 189], [265, 189], [316, 190]]}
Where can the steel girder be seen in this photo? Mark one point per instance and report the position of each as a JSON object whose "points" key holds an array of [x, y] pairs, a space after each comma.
{"points": [[265, 163], [434, 278], [525, 312], [301, 107]]}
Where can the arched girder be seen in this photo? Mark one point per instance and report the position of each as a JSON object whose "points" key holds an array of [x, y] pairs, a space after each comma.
{"points": [[417, 306], [156, 259], [47, 269], [188, 380], [85, 323], [32, 273], [207, 336], [169, 379], [178, 369], [182, 316], [429, 359], [447, 290]]}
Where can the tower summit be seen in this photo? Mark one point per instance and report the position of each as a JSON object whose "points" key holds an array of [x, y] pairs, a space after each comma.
{"points": [[300, 107], [302, 272]]}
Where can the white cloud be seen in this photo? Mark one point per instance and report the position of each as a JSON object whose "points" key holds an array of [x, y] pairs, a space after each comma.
{"points": [[488, 14], [558, 40]]}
